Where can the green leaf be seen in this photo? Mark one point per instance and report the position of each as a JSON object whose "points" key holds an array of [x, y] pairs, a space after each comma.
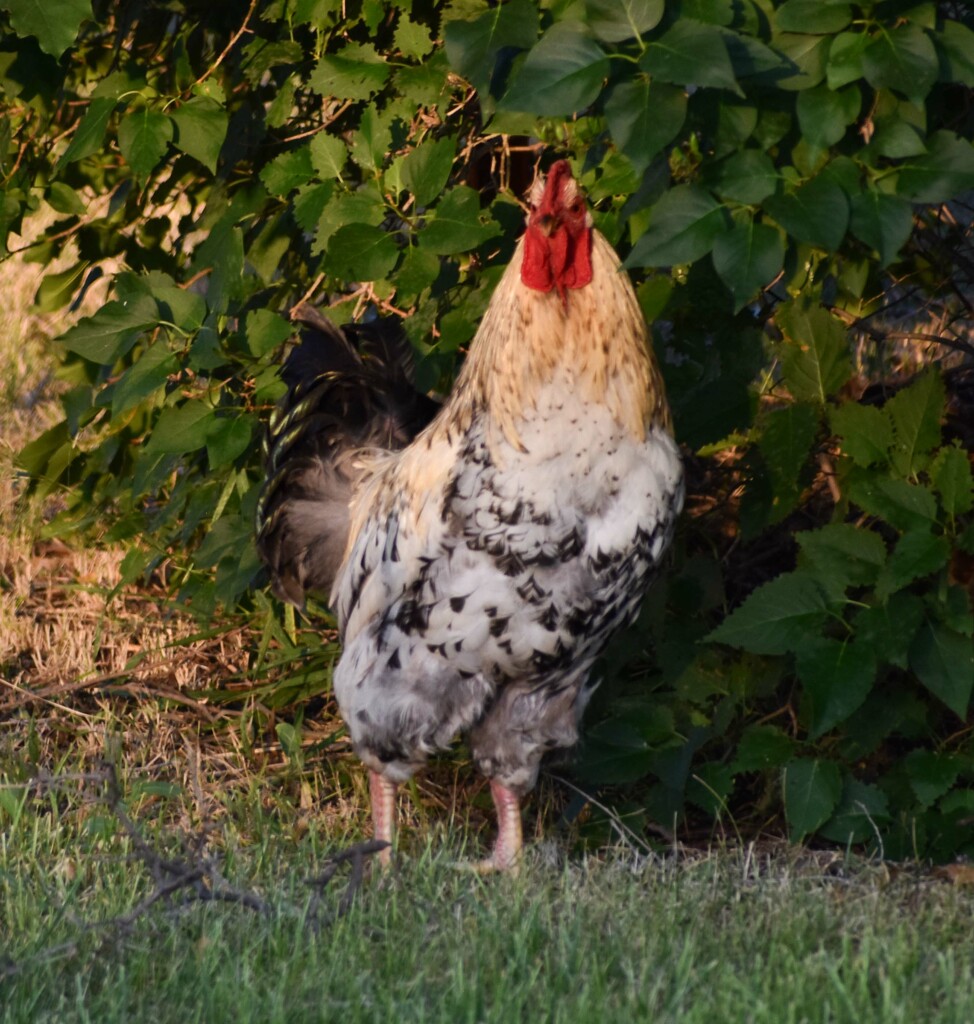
{"points": [[915, 413], [749, 56], [943, 172], [365, 205], [356, 72], [148, 375], [882, 221], [178, 306], [953, 607], [691, 53], [772, 126], [951, 476], [684, 224], [263, 55], [227, 438], [918, 553], [762, 747], [617, 20], [842, 555], [458, 224], [806, 54], [426, 169], [362, 207], [265, 330], [955, 43], [372, 141], [931, 774], [844, 172], [624, 747], [825, 113], [775, 618], [785, 441], [888, 629], [845, 59], [562, 74], [288, 171], [814, 356], [747, 258], [90, 133], [816, 212], [419, 269], [143, 137], [56, 290], [903, 59], [112, 331], [611, 763], [643, 117], [310, 205], [811, 791], [812, 16], [714, 12], [456, 328], [836, 677], [653, 294], [747, 176], [860, 814], [901, 504], [328, 156], [201, 127], [54, 23], [412, 39], [361, 252], [866, 432], [63, 199], [223, 252], [472, 46], [181, 429], [944, 662], [900, 129], [227, 536], [36, 456], [710, 787]]}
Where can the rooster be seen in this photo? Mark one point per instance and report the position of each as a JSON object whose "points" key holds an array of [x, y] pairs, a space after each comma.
{"points": [[478, 556]]}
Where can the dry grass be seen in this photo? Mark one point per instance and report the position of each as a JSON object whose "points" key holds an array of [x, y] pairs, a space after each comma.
{"points": [[79, 656]]}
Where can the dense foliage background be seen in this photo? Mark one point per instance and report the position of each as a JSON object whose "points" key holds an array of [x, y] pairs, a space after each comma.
{"points": [[790, 186]]}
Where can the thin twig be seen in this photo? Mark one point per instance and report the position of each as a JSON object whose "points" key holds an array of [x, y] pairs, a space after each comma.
{"points": [[233, 42], [195, 875], [357, 855]]}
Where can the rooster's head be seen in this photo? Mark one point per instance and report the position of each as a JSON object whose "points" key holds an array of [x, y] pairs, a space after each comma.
{"points": [[558, 239]]}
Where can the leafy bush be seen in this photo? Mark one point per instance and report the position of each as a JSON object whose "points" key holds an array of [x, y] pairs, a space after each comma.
{"points": [[786, 182]]}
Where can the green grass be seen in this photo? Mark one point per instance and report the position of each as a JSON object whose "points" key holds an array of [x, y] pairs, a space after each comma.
{"points": [[725, 936]]}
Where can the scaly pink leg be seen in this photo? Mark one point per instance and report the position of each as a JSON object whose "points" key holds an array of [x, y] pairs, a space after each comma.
{"points": [[507, 849], [383, 794]]}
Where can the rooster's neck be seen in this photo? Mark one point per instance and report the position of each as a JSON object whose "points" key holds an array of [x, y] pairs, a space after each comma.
{"points": [[595, 340]]}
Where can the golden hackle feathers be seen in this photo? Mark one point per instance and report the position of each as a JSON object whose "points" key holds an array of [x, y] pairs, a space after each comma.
{"points": [[596, 336]]}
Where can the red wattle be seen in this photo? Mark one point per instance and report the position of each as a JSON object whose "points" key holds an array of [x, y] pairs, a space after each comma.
{"points": [[578, 273], [558, 260], [536, 267]]}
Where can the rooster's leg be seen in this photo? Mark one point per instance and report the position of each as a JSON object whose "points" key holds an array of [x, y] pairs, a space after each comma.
{"points": [[383, 794], [507, 848]]}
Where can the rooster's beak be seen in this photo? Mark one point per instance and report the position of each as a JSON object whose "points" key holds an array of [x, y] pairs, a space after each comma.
{"points": [[548, 222]]}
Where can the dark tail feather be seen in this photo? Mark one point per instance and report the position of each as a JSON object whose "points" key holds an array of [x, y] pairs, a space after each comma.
{"points": [[348, 388]]}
